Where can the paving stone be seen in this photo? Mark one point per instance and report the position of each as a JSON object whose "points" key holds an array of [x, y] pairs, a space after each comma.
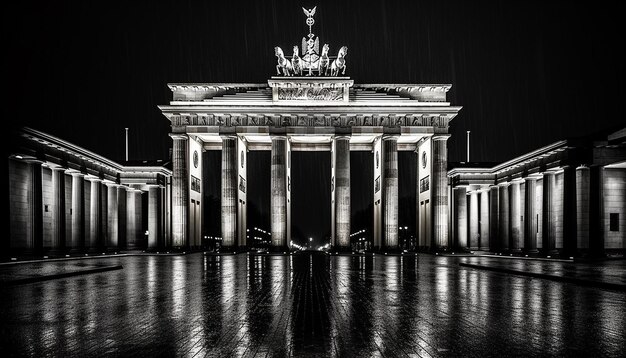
{"points": [[307, 305]]}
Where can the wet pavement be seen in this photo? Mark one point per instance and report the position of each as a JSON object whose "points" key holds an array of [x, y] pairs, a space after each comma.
{"points": [[303, 305], [611, 271]]}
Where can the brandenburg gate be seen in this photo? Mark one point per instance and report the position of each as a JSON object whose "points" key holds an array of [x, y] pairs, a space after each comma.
{"points": [[310, 106]]}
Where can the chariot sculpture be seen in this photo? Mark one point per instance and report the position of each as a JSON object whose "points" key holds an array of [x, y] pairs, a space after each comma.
{"points": [[311, 61]]}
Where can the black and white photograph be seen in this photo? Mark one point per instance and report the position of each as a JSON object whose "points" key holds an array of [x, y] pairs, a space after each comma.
{"points": [[314, 178]]}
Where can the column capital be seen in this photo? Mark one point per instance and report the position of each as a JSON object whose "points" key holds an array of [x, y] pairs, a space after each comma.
{"points": [[390, 137], [74, 172], [34, 161], [55, 167], [341, 136], [92, 178], [440, 137], [179, 136], [228, 136], [278, 136], [108, 182], [504, 184], [582, 167]]}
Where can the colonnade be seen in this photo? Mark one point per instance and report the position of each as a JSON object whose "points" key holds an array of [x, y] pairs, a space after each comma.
{"points": [[280, 187], [68, 211], [537, 212]]}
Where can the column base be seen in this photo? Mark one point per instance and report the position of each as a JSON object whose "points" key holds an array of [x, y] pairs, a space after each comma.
{"points": [[553, 252], [533, 252]]}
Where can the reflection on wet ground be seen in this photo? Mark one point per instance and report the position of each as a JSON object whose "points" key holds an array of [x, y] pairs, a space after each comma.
{"points": [[308, 305]]}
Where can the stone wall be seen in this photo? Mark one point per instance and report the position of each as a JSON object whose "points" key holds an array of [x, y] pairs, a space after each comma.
{"points": [[614, 191], [19, 222]]}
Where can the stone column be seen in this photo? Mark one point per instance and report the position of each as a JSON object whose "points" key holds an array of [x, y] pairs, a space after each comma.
{"points": [[112, 216], [460, 216], [154, 217], [494, 218], [279, 193], [390, 191], [582, 208], [503, 208], [597, 221], [78, 211], [439, 187], [94, 213], [342, 192], [131, 218], [121, 217], [229, 192], [515, 219], [58, 187], [569, 211], [180, 190], [35, 206], [530, 216], [484, 220], [474, 235], [242, 199], [103, 235], [548, 224]]}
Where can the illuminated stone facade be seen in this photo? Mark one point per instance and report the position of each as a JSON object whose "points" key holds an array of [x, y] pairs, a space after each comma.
{"points": [[321, 114], [568, 198]]}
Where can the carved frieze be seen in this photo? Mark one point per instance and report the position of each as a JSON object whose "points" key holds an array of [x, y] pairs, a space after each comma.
{"points": [[238, 120], [310, 94]]}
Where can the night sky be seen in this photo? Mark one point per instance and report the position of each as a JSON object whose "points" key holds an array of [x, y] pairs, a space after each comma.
{"points": [[526, 73]]}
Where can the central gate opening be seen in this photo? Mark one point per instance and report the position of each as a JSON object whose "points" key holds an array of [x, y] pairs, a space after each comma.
{"points": [[310, 198]]}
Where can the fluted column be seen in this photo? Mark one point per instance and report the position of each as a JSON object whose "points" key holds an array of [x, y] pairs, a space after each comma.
{"points": [[132, 232], [94, 213], [484, 220], [474, 235], [35, 206], [342, 191], [122, 217], [568, 218], [503, 208], [180, 190], [515, 218], [597, 217], [154, 217], [494, 218], [112, 216], [548, 224], [530, 216], [103, 236], [582, 208], [460, 216], [229, 192], [439, 187], [390, 191], [58, 195], [78, 211], [279, 193]]}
